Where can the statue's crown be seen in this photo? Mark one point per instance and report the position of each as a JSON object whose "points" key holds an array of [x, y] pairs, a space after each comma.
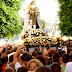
{"points": [[33, 0]]}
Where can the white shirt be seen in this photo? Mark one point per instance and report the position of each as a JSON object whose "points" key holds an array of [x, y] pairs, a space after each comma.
{"points": [[68, 67], [17, 65]]}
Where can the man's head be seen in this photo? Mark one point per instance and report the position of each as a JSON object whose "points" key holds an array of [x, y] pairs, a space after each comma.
{"points": [[65, 57], [4, 59]]}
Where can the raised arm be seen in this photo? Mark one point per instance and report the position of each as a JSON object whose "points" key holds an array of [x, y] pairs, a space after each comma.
{"points": [[15, 58], [45, 46], [1, 49]]}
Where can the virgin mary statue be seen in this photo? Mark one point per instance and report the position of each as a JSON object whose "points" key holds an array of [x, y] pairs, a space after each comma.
{"points": [[32, 19]]}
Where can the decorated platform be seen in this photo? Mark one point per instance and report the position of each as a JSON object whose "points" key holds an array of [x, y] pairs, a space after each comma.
{"points": [[33, 33]]}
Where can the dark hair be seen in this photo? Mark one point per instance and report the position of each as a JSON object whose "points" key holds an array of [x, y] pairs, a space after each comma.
{"points": [[55, 67], [51, 51], [43, 69], [11, 58], [29, 57], [3, 50], [34, 53], [68, 50], [36, 49], [60, 52], [15, 48], [22, 69], [70, 55], [8, 52], [49, 61], [65, 57], [39, 53], [9, 69], [4, 58], [42, 59], [26, 57], [0, 65], [55, 57], [0, 54]]}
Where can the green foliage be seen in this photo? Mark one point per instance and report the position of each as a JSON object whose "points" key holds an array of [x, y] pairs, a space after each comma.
{"points": [[71, 1], [65, 16], [10, 23], [43, 24]]}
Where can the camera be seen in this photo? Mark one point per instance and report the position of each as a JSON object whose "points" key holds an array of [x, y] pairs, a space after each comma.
{"points": [[40, 48], [24, 49]]}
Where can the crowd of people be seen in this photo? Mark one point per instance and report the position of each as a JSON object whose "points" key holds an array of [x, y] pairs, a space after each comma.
{"points": [[14, 59]]}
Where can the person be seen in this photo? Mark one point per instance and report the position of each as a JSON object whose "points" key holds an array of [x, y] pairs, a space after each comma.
{"points": [[42, 59], [50, 52], [34, 54], [33, 64], [68, 67], [21, 60], [1, 49], [22, 69], [60, 52], [11, 64], [43, 69], [70, 55], [46, 59], [45, 53], [4, 60], [16, 60], [26, 57], [55, 67], [65, 59], [9, 69], [55, 58]]}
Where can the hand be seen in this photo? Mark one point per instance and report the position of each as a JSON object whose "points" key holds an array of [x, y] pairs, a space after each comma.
{"points": [[27, 51], [45, 44], [42, 50], [21, 47]]}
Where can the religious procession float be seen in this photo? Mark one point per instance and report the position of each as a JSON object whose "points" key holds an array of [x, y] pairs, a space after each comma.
{"points": [[33, 33]]}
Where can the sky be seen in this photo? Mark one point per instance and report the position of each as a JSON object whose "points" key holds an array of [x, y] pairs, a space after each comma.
{"points": [[48, 10]]}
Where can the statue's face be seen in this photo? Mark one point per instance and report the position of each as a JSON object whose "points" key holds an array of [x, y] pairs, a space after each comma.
{"points": [[32, 3]]}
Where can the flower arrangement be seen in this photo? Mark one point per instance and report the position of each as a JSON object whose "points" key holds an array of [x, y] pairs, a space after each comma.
{"points": [[37, 38], [36, 41], [59, 40]]}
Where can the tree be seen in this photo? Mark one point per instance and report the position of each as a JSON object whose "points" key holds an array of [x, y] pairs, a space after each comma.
{"points": [[10, 23], [65, 16]]}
